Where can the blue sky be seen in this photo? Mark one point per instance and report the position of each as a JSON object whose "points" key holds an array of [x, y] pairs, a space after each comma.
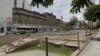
{"points": [[60, 8]]}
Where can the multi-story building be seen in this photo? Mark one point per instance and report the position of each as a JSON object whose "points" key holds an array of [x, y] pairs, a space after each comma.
{"points": [[20, 17], [30, 20], [6, 13]]}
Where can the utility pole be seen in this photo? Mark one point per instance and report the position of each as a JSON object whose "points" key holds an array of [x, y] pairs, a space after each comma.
{"points": [[46, 46]]}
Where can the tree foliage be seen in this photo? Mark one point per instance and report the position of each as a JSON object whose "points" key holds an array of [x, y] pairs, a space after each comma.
{"points": [[92, 13], [44, 3], [98, 25], [78, 4], [74, 20], [68, 26]]}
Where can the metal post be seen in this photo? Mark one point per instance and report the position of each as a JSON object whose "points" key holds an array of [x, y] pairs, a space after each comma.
{"points": [[90, 30], [86, 35], [78, 42], [90, 34], [46, 46]]}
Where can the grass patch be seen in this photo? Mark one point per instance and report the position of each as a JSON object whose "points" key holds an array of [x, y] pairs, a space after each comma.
{"points": [[55, 49]]}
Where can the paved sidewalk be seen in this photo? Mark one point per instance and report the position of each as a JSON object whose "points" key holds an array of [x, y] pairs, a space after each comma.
{"points": [[93, 48], [31, 53]]}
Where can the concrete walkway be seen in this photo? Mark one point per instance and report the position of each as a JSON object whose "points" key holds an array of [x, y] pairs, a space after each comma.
{"points": [[93, 48], [31, 53]]}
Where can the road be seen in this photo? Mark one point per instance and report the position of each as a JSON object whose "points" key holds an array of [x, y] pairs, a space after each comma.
{"points": [[93, 48], [31, 53]]}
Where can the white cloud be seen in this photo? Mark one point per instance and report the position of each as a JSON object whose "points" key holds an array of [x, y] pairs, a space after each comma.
{"points": [[97, 1], [29, 1], [60, 8]]}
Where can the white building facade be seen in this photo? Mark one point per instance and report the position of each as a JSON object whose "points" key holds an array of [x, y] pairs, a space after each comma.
{"points": [[6, 13]]}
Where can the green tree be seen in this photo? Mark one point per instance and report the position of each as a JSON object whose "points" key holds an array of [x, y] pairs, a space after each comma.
{"points": [[78, 4], [68, 26], [92, 13], [98, 24], [74, 20], [72, 24]]}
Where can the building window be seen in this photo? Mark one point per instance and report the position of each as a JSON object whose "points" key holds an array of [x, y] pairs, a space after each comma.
{"points": [[2, 30]]}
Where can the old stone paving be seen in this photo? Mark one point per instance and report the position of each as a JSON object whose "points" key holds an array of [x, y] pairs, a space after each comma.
{"points": [[57, 39], [93, 48]]}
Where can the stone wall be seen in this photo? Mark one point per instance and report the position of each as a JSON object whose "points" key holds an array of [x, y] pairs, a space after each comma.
{"points": [[9, 39]]}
